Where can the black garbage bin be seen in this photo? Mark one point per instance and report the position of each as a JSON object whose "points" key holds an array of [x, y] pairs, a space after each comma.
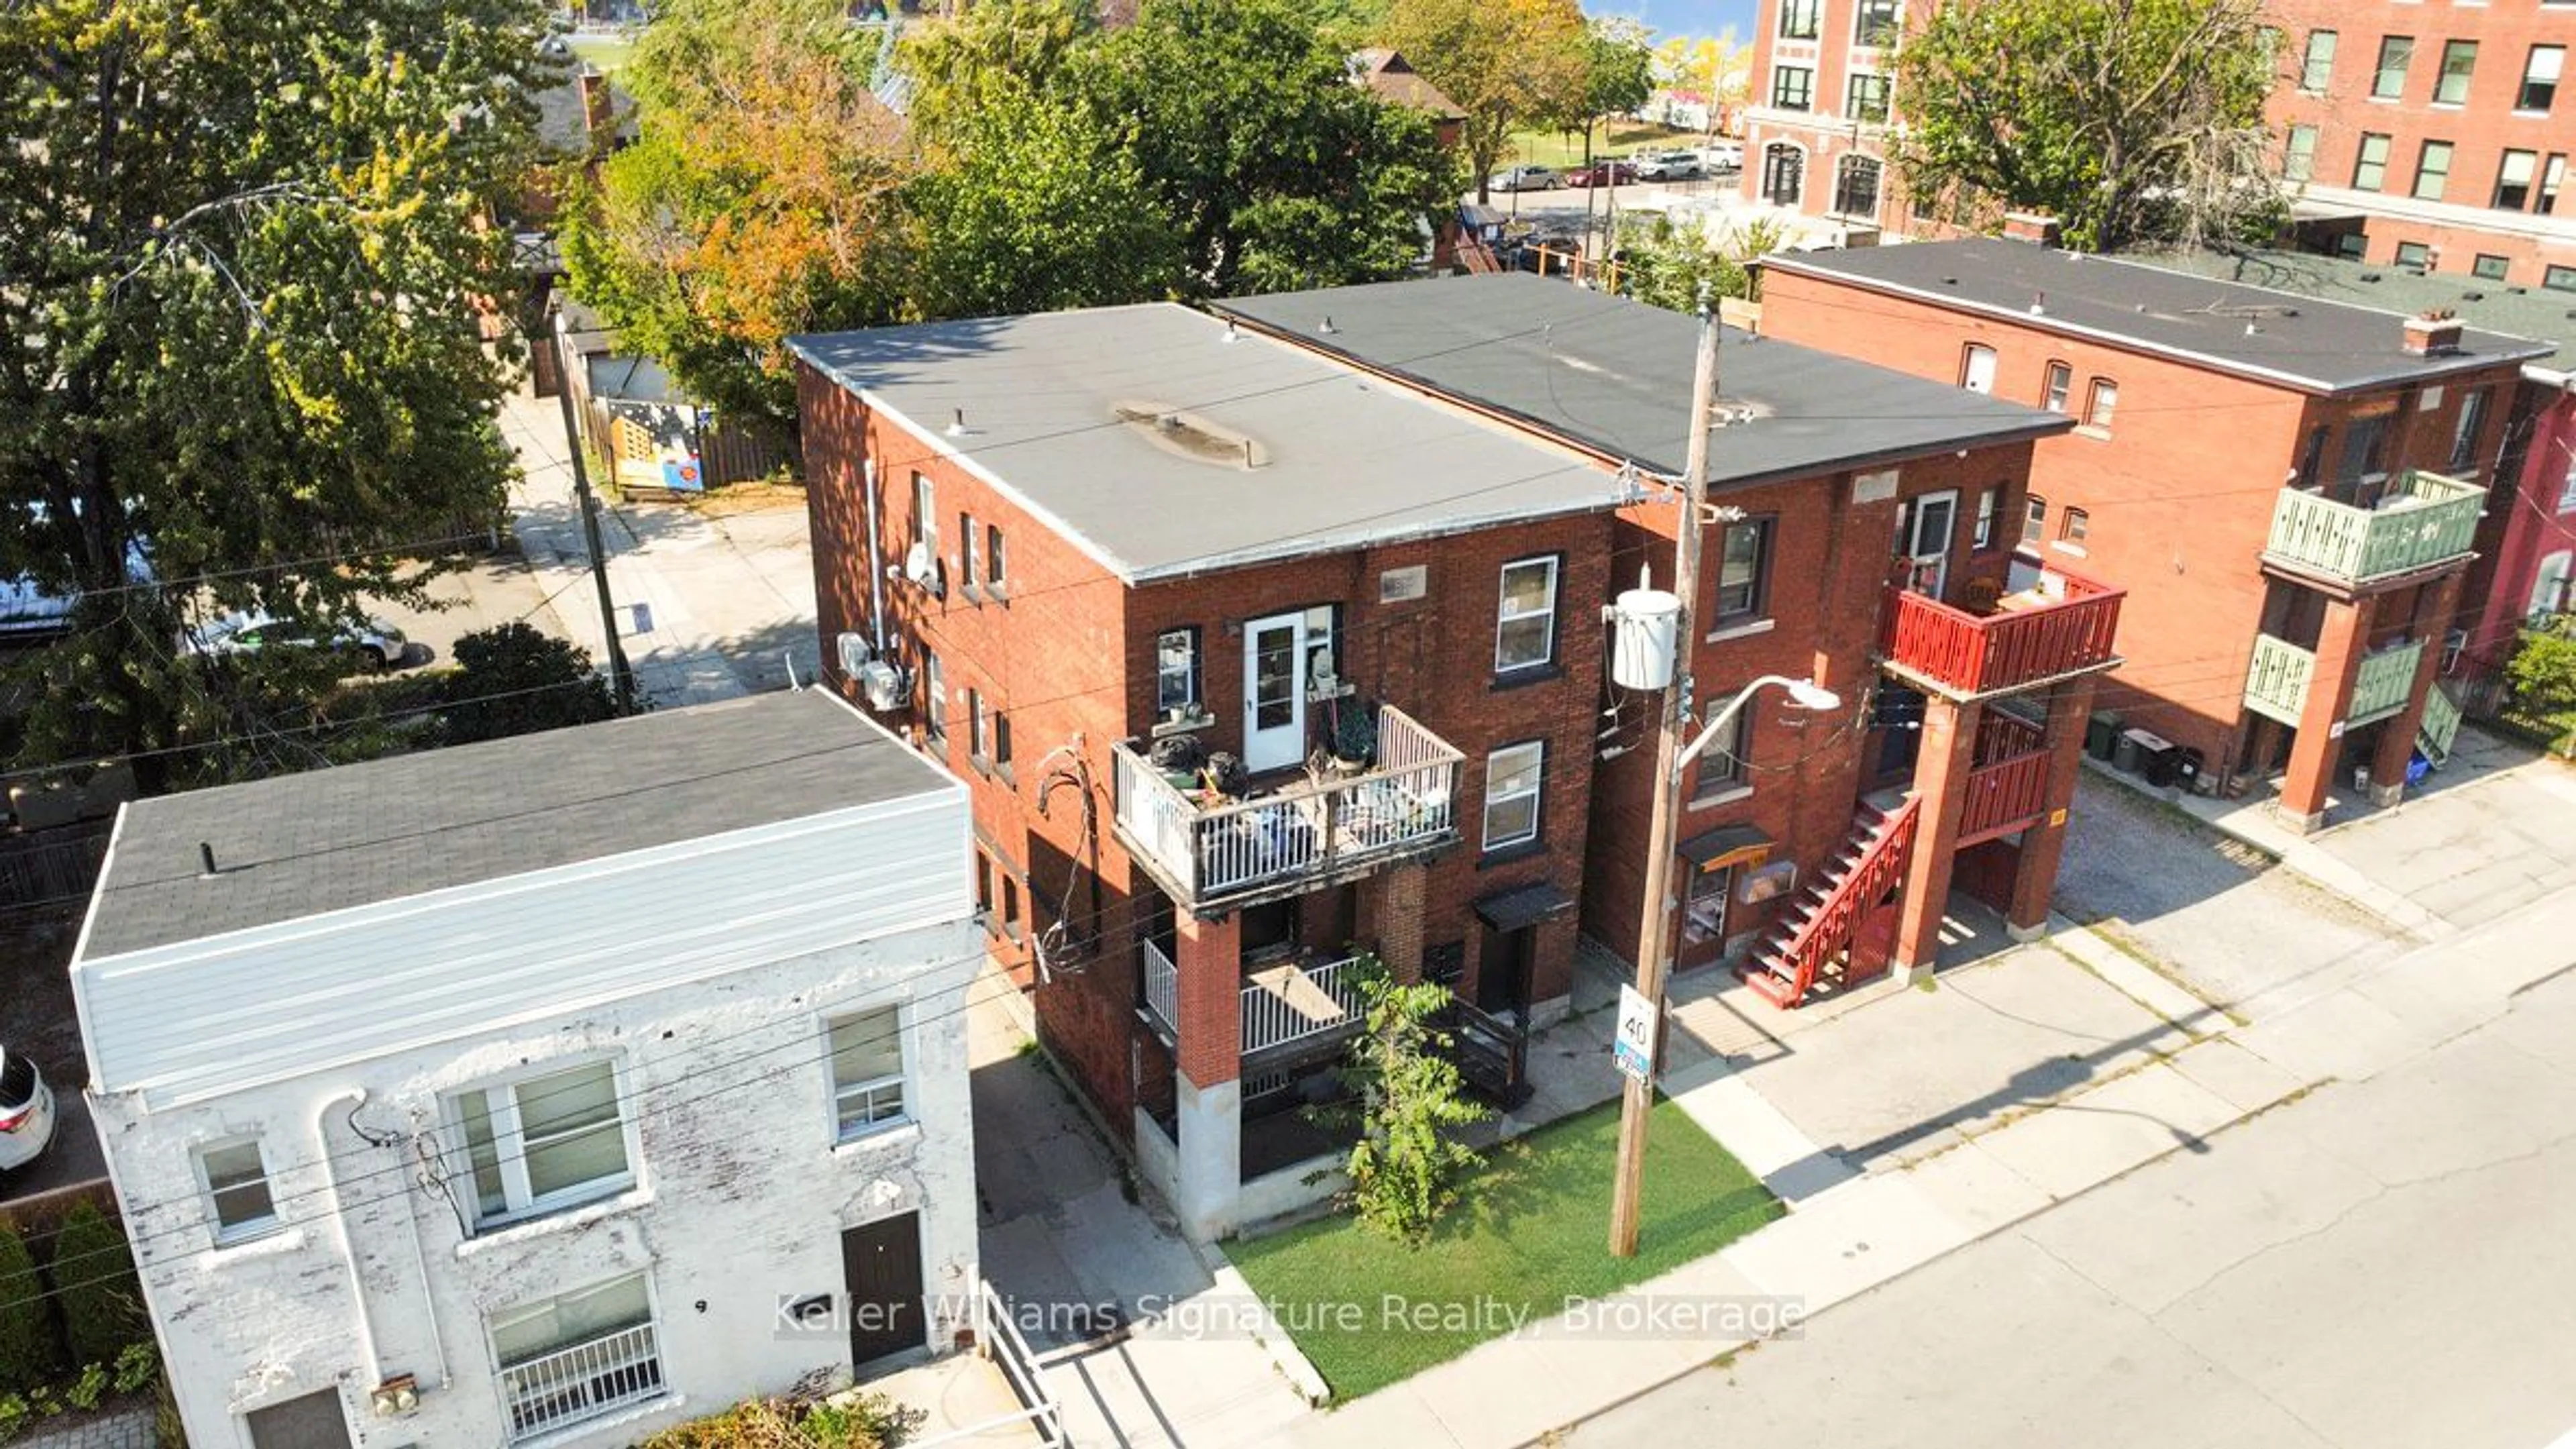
{"points": [[2161, 763], [2187, 768], [2102, 735]]}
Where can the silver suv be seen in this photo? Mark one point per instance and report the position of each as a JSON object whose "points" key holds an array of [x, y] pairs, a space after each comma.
{"points": [[1670, 166], [26, 1111]]}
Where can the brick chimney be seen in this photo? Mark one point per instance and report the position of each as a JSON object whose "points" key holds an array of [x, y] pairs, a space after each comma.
{"points": [[2433, 334], [598, 109], [2035, 227]]}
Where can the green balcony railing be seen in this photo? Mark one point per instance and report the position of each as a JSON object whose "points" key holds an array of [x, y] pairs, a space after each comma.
{"points": [[2424, 521], [2277, 684]]}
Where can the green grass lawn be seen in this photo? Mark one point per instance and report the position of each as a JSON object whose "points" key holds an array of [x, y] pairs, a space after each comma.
{"points": [[608, 52], [1534, 1236], [1612, 138]]}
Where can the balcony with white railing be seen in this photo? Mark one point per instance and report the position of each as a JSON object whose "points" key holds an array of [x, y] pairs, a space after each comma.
{"points": [[583, 1382], [1285, 1004], [2424, 521], [1208, 851]]}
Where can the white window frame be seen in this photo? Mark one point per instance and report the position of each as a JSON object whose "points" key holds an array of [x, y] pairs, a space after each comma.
{"points": [[510, 1149], [1977, 367], [1535, 794], [2057, 386], [996, 571], [900, 1079], [227, 1234], [969, 551], [2098, 413], [2531, 76], [1990, 502], [1504, 617], [500, 1371], [1191, 703], [925, 513]]}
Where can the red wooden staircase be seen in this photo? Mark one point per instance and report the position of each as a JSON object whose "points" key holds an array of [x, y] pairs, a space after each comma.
{"points": [[1839, 933]]}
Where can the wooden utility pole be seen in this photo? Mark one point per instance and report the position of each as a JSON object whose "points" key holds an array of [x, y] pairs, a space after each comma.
{"points": [[621, 679], [1654, 935]]}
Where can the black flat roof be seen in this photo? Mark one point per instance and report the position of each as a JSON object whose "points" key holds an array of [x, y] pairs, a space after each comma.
{"points": [[2303, 342], [1614, 376]]}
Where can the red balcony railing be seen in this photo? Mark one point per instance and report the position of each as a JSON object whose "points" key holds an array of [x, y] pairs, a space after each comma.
{"points": [[2004, 796], [2064, 624]]}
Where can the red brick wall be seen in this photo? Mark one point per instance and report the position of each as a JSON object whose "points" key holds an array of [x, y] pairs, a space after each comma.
{"points": [[1822, 133], [2178, 493], [2524, 524]]}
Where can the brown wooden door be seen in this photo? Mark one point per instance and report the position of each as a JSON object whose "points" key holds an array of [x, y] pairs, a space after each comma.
{"points": [[881, 1271]]}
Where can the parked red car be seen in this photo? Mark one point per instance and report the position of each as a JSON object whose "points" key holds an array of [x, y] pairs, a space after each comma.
{"points": [[1602, 173]]}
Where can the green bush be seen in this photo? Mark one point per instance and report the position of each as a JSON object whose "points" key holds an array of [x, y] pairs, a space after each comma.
{"points": [[513, 680], [95, 1287], [867, 1421], [31, 1350]]}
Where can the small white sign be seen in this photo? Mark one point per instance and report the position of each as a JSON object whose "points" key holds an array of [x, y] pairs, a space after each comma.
{"points": [[1633, 1047]]}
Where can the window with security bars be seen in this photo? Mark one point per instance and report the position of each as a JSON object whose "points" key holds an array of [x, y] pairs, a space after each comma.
{"points": [[577, 1356]]}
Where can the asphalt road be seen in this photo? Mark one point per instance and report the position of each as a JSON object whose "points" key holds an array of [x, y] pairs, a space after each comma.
{"points": [[2381, 1263]]}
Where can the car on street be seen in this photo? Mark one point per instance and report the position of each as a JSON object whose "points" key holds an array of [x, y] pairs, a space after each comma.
{"points": [[372, 643], [1722, 156], [1670, 166], [1602, 173], [1526, 178], [26, 1111]]}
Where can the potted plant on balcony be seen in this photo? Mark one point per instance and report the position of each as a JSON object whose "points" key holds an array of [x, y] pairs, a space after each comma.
{"points": [[1354, 741]]}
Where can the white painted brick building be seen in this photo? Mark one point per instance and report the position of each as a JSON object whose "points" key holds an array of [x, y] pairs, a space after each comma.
{"points": [[517, 1093]]}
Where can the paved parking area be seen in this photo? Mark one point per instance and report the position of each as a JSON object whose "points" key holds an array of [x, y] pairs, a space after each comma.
{"points": [[2494, 829]]}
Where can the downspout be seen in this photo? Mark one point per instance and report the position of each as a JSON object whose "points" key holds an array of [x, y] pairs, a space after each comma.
{"points": [[876, 565]]}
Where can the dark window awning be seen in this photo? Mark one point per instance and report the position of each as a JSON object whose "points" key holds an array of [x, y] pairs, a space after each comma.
{"points": [[1523, 906], [1726, 845]]}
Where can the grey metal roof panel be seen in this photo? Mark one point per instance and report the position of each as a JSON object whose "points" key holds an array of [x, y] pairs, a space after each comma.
{"points": [[2302, 342], [326, 840], [2542, 314], [1065, 411], [1615, 375]]}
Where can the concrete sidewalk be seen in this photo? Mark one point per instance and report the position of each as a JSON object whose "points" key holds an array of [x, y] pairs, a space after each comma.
{"points": [[709, 607]]}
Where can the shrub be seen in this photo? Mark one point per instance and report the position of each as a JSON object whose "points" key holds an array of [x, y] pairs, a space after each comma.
{"points": [[1406, 1169], [513, 680], [866, 1421], [95, 1287], [2542, 673], [31, 1352]]}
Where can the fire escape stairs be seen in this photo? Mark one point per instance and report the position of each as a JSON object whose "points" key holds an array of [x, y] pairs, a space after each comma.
{"points": [[1806, 950]]}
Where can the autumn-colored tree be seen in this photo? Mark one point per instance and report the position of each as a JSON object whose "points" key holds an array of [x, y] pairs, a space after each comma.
{"points": [[750, 208], [1505, 63]]}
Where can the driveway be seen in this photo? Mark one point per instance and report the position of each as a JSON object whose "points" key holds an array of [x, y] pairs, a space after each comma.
{"points": [[2489, 832]]}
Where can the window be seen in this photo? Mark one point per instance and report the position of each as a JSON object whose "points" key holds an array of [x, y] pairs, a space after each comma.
{"points": [[2312, 457], [577, 1356], [2034, 520], [2074, 525], [2550, 595], [1784, 174], [1704, 912], [1525, 629], [1793, 87], [2363, 439], [1011, 907], [979, 729], [2459, 62], [2299, 155], [2513, 181], [2105, 399], [2414, 254], [1989, 503], [2567, 488], [1864, 97], [2489, 267], [2464, 434], [1743, 571], [2432, 170], [1513, 775], [2060, 379], [2316, 72], [237, 1181], [925, 514], [2396, 52], [2351, 245], [543, 1142], [867, 1068], [967, 541], [2553, 172], [1798, 19], [1856, 186], [1722, 766], [1874, 23], [2540, 78], [1176, 672], [1323, 655], [1977, 367], [985, 870], [1002, 743], [993, 570], [2559, 279], [934, 703], [2370, 163]]}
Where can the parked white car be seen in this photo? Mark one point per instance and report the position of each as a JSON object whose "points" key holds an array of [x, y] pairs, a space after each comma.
{"points": [[1670, 166], [1526, 178], [26, 1111], [1722, 156], [373, 644]]}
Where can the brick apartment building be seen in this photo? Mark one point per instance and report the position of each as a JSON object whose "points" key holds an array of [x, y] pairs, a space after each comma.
{"points": [[1816, 134], [2431, 135], [1083, 554], [2289, 489]]}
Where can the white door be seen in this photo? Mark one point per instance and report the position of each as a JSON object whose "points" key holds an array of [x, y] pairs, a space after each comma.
{"points": [[1274, 692], [1930, 522]]}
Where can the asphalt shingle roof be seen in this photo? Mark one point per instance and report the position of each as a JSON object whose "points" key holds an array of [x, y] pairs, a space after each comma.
{"points": [[2542, 314]]}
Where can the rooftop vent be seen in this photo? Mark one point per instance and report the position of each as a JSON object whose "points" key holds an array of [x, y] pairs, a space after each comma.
{"points": [[1190, 435]]}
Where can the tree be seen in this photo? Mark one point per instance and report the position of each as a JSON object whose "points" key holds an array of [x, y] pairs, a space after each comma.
{"points": [[30, 1350], [2542, 672], [95, 1286], [754, 202], [1505, 63], [1618, 76], [993, 52], [1278, 171], [513, 680], [1667, 264], [1408, 1168], [1713, 65], [243, 256], [2130, 120]]}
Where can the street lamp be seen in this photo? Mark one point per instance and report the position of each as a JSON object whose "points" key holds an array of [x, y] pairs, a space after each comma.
{"points": [[1804, 693]]}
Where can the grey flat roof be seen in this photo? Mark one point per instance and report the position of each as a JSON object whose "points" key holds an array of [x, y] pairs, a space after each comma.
{"points": [[2301, 342], [2542, 314], [328, 840], [1062, 410], [1615, 375]]}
